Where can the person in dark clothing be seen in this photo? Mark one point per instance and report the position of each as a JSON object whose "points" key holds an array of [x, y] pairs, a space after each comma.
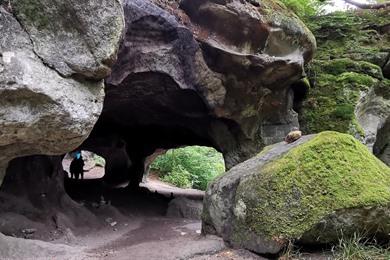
{"points": [[77, 167]]}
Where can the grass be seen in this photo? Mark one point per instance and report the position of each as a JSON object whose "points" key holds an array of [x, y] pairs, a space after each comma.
{"points": [[359, 248], [356, 247]]}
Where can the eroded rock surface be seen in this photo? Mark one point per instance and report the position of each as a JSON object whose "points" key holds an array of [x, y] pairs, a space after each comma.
{"points": [[182, 78], [73, 37], [311, 191], [33, 197], [52, 59], [382, 145]]}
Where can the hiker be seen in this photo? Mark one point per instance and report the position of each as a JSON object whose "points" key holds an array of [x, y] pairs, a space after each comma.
{"points": [[77, 167]]}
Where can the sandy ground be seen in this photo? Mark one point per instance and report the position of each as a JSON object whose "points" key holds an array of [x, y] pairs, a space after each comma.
{"points": [[135, 227]]}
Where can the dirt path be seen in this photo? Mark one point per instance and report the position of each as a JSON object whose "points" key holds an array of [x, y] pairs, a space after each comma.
{"points": [[158, 238], [166, 189], [143, 232], [135, 227]]}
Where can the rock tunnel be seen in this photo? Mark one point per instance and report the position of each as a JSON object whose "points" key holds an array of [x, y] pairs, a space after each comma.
{"points": [[177, 81], [172, 87]]}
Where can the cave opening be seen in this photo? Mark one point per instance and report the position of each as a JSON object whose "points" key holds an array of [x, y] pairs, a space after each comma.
{"points": [[184, 171], [92, 165]]}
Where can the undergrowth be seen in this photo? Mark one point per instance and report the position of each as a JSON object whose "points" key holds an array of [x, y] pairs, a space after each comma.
{"points": [[189, 167]]}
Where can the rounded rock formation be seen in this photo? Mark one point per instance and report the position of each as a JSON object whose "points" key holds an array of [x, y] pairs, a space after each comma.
{"points": [[183, 79], [311, 191], [53, 57]]}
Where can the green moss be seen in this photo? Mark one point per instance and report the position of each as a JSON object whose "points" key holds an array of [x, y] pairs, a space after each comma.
{"points": [[339, 66], [33, 12], [332, 171], [351, 51], [330, 104], [265, 150], [277, 14], [383, 89], [250, 111], [351, 35]]}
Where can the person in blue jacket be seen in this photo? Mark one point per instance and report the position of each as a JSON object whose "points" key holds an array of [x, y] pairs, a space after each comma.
{"points": [[77, 167]]}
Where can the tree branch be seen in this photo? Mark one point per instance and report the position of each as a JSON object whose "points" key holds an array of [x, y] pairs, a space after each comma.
{"points": [[368, 6]]}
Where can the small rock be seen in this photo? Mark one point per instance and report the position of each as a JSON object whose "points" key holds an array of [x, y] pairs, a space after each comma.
{"points": [[113, 223], [182, 207], [29, 231], [109, 220]]}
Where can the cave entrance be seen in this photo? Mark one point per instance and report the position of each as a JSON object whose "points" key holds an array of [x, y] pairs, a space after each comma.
{"points": [[88, 164], [184, 171]]}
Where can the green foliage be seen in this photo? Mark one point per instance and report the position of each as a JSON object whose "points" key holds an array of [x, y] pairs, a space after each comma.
{"points": [[194, 165], [304, 8], [179, 177], [99, 161], [358, 248], [331, 171]]}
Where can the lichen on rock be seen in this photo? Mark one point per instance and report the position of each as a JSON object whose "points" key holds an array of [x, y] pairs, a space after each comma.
{"points": [[308, 193]]}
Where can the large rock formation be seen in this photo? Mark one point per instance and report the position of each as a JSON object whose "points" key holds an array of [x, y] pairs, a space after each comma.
{"points": [[349, 77], [311, 191], [208, 72], [382, 144], [53, 57], [33, 197]]}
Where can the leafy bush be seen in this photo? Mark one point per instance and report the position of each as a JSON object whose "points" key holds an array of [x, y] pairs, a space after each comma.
{"points": [[99, 161], [305, 8], [179, 177], [202, 164]]}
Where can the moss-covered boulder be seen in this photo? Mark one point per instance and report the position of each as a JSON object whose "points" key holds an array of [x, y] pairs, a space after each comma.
{"points": [[310, 191], [349, 91]]}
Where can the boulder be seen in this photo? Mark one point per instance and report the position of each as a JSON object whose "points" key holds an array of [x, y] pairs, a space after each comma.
{"points": [[372, 111], [33, 196], [312, 191], [19, 248], [382, 145], [53, 57], [182, 207], [73, 37]]}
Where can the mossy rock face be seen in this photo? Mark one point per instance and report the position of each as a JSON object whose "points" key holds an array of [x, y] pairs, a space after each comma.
{"points": [[311, 192], [331, 102], [354, 35], [348, 90]]}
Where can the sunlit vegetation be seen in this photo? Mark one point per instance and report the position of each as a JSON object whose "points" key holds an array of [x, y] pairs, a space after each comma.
{"points": [[189, 167]]}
